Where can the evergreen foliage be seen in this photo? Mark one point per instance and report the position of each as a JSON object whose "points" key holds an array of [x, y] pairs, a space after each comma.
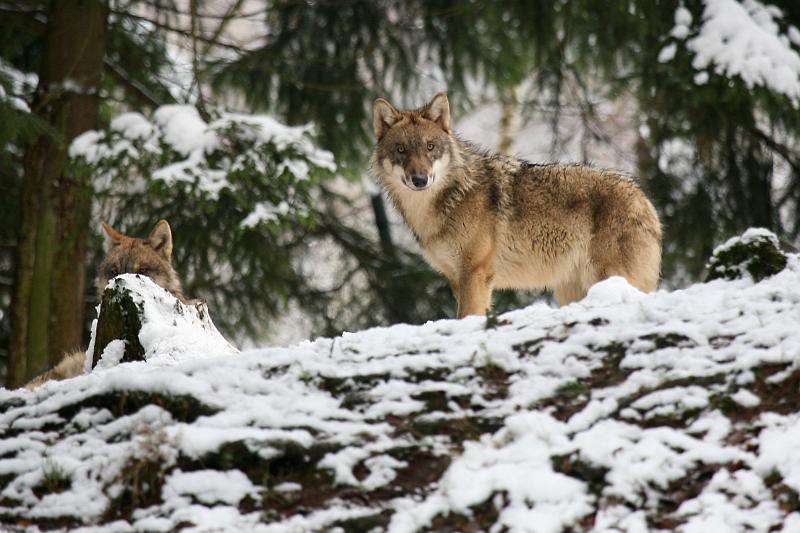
{"points": [[323, 64]]}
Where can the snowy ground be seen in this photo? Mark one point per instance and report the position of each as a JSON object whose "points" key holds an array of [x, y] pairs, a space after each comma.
{"points": [[674, 411]]}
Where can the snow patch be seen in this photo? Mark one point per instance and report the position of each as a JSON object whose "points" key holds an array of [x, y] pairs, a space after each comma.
{"points": [[183, 129], [208, 486], [745, 398], [264, 212], [667, 53], [132, 125], [750, 236], [743, 40], [112, 354]]}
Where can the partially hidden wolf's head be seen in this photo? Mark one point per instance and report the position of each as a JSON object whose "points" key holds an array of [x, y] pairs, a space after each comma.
{"points": [[151, 257], [414, 148]]}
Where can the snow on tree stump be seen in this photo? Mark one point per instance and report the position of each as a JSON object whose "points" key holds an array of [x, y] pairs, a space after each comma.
{"points": [[756, 253], [141, 321]]}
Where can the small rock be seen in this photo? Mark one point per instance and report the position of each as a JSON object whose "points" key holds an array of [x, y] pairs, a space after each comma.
{"points": [[756, 253]]}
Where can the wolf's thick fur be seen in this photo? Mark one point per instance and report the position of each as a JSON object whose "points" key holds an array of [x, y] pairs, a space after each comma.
{"points": [[151, 257], [487, 221]]}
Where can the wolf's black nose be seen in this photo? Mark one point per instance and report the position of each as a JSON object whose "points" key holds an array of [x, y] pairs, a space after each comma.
{"points": [[419, 180]]}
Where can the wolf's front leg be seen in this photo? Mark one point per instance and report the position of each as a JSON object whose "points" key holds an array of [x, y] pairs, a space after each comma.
{"points": [[474, 292]]}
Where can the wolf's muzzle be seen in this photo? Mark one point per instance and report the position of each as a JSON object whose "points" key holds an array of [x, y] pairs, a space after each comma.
{"points": [[420, 181]]}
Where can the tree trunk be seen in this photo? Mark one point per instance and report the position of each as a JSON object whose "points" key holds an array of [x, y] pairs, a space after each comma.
{"points": [[73, 206], [47, 307], [509, 119], [381, 222]]}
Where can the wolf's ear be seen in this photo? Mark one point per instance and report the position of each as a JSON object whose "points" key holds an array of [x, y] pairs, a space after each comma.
{"points": [[438, 111], [113, 237], [160, 239], [384, 115]]}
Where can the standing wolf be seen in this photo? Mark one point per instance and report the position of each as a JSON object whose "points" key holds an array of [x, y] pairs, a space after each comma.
{"points": [[487, 221], [151, 257]]}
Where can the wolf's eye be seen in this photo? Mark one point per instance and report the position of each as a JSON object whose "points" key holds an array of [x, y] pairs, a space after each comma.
{"points": [[401, 149], [430, 146]]}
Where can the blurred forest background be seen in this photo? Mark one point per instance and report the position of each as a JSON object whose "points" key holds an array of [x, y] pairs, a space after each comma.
{"points": [[283, 243]]}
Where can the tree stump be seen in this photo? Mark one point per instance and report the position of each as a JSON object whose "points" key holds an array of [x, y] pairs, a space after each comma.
{"points": [[119, 318]]}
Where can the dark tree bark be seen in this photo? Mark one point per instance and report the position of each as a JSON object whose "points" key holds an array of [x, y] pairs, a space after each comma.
{"points": [[382, 222], [119, 319], [47, 307]]}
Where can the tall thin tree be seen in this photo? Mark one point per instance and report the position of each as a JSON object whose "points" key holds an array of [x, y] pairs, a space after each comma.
{"points": [[47, 308]]}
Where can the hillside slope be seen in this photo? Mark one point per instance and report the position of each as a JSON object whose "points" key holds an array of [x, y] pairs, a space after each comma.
{"points": [[629, 412]]}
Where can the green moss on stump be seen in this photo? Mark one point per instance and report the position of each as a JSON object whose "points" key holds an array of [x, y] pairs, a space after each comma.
{"points": [[755, 253], [119, 319]]}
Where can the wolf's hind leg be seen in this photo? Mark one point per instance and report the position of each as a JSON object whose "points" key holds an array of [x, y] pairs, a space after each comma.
{"points": [[569, 291], [639, 264], [70, 366]]}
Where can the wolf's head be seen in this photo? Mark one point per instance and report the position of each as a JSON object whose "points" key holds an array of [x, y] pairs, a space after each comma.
{"points": [[151, 257], [414, 148]]}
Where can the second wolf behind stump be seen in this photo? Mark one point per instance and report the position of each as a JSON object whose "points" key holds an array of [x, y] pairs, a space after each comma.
{"points": [[488, 221], [151, 257]]}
